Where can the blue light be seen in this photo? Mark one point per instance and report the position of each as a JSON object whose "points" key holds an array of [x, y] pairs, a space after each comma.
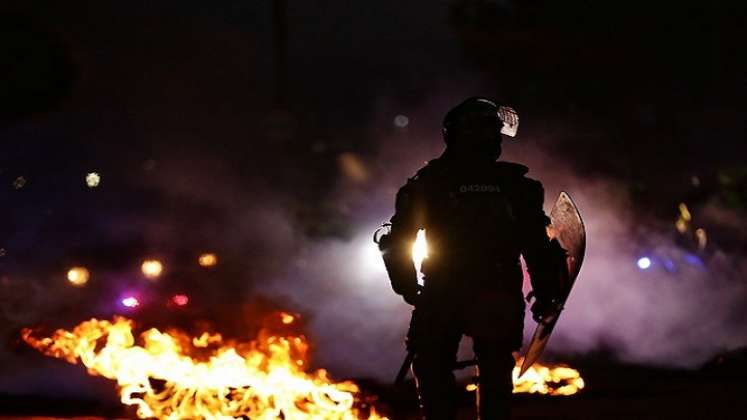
{"points": [[644, 263], [694, 260]]}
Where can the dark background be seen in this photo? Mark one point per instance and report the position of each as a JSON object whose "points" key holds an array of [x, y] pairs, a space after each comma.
{"points": [[264, 132]]}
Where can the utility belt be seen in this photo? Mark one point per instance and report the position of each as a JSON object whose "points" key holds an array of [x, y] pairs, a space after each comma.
{"points": [[502, 275]]}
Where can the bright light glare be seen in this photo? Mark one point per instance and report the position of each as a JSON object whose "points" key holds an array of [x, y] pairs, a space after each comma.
{"points": [[371, 257], [93, 179], [208, 260], [180, 299], [419, 249], [644, 263], [78, 276], [130, 302], [152, 269]]}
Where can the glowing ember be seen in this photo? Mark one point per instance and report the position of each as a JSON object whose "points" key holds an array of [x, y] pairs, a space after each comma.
{"points": [[78, 276], [180, 299], [557, 380], [286, 318], [151, 269], [207, 260], [170, 375], [93, 179], [130, 302]]}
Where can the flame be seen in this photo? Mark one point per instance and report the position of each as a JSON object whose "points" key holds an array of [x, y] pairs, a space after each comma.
{"points": [[540, 379], [286, 318], [171, 375], [552, 380]]}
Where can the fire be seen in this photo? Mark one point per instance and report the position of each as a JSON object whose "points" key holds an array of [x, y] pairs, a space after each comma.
{"points": [[286, 318], [172, 375], [540, 379], [556, 380]]}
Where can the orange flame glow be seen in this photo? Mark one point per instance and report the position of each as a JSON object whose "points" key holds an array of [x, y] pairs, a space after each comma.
{"points": [[540, 379], [552, 380], [171, 375]]}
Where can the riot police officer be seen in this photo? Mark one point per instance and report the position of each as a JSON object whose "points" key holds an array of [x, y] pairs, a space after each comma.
{"points": [[479, 215]]}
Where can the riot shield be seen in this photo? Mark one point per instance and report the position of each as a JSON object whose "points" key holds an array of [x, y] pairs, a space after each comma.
{"points": [[568, 228]]}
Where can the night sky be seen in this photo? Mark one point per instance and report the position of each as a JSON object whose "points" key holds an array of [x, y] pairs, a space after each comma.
{"points": [[270, 137]]}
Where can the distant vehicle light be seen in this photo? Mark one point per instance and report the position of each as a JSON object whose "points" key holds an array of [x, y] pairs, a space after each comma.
{"points": [[644, 263]]}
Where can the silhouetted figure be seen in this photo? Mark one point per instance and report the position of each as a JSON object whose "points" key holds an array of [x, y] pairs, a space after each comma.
{"points": [[479, 215]]}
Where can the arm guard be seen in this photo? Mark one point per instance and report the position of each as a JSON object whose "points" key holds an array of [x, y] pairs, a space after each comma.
{"points": [[396, 245], [545, 258]]}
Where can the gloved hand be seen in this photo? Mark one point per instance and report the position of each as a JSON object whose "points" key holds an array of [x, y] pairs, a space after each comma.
{"points": [[411, 295], [541, 308]]}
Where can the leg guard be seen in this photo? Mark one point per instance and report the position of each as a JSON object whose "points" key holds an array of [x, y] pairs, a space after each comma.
{"points": [[436, 384], [435, 342], [495, 366]]}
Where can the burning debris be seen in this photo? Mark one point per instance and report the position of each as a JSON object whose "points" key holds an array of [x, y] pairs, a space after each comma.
{"points": [[172, 375], [558, 380], [551, 380]]}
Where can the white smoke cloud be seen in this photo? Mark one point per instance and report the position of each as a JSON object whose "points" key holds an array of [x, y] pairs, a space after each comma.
{"points": [[678, 318], [358, 324]]}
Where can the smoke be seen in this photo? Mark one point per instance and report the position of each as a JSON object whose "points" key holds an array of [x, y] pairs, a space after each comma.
{"points": [[674, 316], [679, 312], [185, 170]]}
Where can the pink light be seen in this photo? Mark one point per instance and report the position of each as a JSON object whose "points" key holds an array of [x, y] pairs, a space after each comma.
{"points": [[180, 300], [130, 302]]}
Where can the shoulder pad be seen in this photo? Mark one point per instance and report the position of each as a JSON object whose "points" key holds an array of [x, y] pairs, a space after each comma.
{"points": [[533, 190], [532, 184], [431, 167], [512, 169]]}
